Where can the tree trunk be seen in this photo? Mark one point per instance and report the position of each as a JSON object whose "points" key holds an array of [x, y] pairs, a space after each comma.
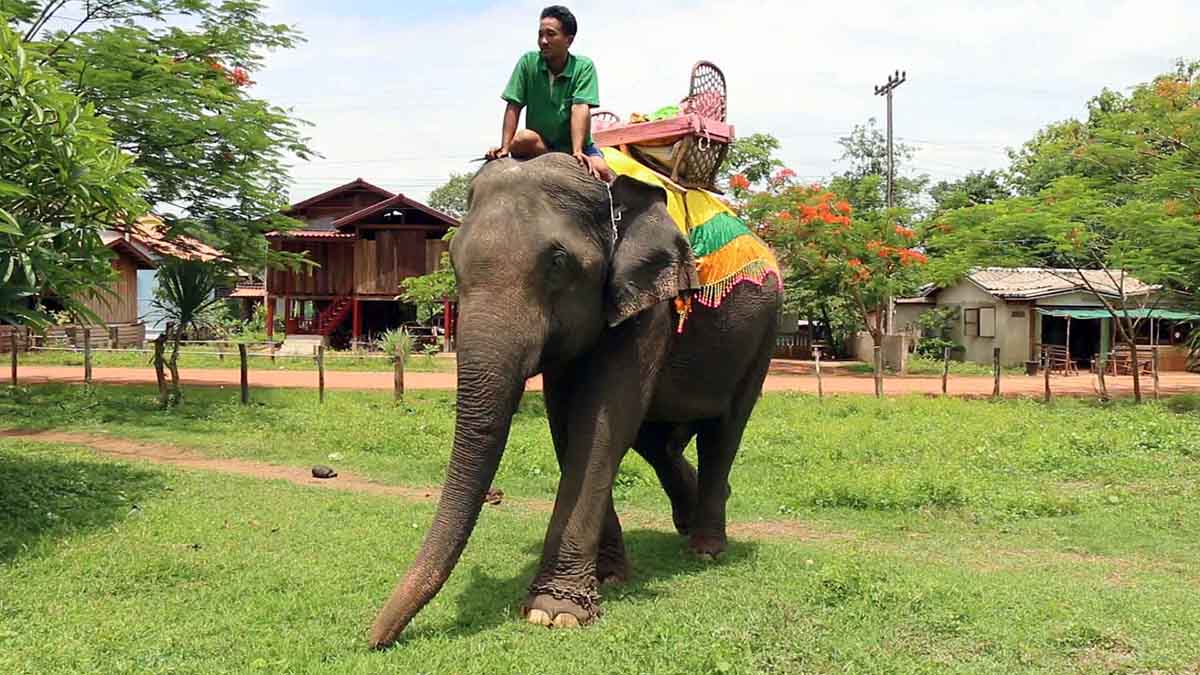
{"points": [[173, 366], [160, 345]]}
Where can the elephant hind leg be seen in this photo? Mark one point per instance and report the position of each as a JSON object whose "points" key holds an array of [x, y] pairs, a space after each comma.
{"points": [[717, 443], [612, 565], [662, 444]]}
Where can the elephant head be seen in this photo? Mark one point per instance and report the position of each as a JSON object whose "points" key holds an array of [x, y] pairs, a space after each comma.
{"points": [[544, 262]]}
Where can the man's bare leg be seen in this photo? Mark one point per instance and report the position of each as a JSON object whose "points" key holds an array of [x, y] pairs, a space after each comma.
{"points": [[527, 145]]}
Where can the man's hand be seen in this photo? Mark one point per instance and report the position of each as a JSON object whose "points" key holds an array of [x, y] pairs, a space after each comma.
{"points": [[586, 163], [496, 153]]}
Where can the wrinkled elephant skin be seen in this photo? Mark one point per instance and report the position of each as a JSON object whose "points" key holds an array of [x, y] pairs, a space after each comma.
{"points": [[548, 283]]}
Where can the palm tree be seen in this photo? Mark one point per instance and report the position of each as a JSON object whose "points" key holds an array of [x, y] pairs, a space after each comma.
{"points": [[186, 296]]}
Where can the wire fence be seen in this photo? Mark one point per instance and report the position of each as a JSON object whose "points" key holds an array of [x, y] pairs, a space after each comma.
{"points": [[160, 358]]}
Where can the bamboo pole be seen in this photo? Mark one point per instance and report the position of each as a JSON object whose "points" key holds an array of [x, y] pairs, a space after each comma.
{"points": [[321, 372], [945, 369], [820, 386], [87, 355], [996, 371], [245, 375], [878, 372]]}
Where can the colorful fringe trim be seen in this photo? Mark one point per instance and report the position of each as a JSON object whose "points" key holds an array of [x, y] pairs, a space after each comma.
{"points": [[727, 251]]}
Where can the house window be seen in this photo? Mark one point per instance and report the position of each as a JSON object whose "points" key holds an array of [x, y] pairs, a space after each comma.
{"points": [[971, 323], [979, 322], [987, 322]]}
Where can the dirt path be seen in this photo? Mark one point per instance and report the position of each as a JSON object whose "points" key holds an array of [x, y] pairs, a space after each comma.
{"points": [[120, 448], [785, 376]]}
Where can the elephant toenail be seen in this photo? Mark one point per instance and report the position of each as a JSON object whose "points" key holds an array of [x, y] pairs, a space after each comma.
{"points": [[539, 617]]}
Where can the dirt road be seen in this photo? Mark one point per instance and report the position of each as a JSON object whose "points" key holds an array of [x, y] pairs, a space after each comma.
{"points": [[785, 376]]}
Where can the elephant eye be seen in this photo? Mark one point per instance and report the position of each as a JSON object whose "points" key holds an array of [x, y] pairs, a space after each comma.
{"points": [[558, 259]]}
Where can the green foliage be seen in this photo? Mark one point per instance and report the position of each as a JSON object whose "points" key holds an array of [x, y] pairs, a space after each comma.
{"points": [[186, 295], [429, 291], [935, 347], [451, 197], [864, 181], [396, 343], [172, 79], [977, 187], [751, 156], [62, 183]]}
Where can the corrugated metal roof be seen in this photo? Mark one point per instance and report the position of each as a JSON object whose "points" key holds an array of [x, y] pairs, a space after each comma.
{"points": [[1027, 283], [312, 234]]}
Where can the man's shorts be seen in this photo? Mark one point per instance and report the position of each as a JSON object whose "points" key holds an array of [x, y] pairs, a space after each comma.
{"points": [[592, 151]]}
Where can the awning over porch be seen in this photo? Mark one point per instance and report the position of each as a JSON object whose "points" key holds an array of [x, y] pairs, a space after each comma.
{"points": [[1142, 313]]}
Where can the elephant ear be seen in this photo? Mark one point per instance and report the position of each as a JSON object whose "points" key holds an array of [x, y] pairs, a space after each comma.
{"points": [[652, 261]]}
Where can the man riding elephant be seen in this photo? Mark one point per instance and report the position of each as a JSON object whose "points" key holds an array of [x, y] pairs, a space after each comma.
{"points": [[557, 90]]}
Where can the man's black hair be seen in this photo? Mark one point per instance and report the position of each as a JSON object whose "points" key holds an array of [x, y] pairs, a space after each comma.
{"points": [[564, 16]]}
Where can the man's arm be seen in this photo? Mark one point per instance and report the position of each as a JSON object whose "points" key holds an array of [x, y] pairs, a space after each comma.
{"points": [[512, 114], [581, 124]]}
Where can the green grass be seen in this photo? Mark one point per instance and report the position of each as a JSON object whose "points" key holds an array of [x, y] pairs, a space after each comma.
{"points": [[204, 358], [944, 536], [922, 366]]}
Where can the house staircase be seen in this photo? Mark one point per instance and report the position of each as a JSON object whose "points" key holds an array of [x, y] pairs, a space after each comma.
{"points": [[333, 316]]}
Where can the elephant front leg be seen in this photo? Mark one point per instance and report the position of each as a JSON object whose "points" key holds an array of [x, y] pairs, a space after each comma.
{"points": [[583, 542]]}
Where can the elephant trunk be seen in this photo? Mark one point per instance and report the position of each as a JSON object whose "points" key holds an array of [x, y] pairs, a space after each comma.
{"points": [[490, 384]]}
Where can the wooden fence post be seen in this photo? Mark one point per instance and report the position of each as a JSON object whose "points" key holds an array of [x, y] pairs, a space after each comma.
{"points": [[1046, 378], [996, 370], [321, 372], [87, 355], [945, 369], [820, 386], [220, 350], [398, 377], [13, 345], [878, 372], [1154, 368], [1100, 377], [245, 375], [114, 337]]}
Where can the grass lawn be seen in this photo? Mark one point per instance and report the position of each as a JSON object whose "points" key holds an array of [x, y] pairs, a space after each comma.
{"points": [[204, 357], [922, 366], [940, 536]]}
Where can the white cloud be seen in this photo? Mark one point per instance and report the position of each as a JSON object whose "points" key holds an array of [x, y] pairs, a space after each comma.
{"points": [[403, 101]]}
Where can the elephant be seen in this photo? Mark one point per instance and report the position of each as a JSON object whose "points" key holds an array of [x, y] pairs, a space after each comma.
{"points": [[563, 276]]}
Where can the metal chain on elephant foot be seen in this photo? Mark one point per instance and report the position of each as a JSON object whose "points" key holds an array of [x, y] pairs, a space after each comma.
{"points": [[588, 600]]}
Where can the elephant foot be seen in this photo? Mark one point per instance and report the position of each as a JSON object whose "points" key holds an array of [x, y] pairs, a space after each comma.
{"points": [[707, 546], [545, 609], [612, 570]]}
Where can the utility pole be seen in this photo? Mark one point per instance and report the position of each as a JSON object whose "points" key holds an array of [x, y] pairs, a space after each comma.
{"points": [[893, 81]]}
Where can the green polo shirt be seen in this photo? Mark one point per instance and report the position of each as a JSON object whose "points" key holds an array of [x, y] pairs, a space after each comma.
{"points": [[548, 104]]}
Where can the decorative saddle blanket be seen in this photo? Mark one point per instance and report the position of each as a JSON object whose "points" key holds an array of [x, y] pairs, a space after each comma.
{"points": [[727, 251]]}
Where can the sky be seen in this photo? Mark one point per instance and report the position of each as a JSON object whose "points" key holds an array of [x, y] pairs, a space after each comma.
{"points": [[402, 93]]}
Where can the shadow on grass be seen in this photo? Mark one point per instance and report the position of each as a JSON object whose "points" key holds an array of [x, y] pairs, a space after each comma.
{"points": [[656, 557], [44, 498]]}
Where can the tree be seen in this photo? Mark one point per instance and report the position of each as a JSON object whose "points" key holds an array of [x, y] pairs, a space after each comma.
{"points": [[429, 291], [451, 197], [62, 183], [864, 181], [751, 157], [186, 296], [824, 244], [176, 97], [977, 187], [1118, 194]]}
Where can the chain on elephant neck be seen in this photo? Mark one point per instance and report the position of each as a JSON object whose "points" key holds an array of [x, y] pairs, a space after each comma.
{"points": [[614, 218]]}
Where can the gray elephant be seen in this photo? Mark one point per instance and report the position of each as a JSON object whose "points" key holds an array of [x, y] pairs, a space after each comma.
{"points": [[554, 278]]}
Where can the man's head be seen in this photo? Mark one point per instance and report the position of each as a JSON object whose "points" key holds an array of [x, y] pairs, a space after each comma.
{"points": [[556, 32]]}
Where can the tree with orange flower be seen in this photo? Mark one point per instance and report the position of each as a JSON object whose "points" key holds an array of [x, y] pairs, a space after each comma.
{"points": [[823, 243]]}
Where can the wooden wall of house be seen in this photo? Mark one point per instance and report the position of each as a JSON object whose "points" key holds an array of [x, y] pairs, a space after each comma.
{"points": [[333, 277], [392, 256], [433, 253], [120, 306]]}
